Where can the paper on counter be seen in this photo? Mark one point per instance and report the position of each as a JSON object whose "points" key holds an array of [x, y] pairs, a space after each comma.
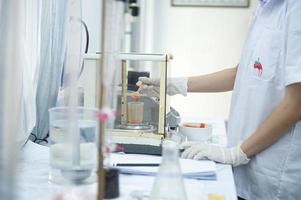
{"points": [[203, 170]]}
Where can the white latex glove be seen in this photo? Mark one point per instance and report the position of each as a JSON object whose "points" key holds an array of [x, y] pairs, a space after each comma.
{"points": [[151, 86], [199, 150]]}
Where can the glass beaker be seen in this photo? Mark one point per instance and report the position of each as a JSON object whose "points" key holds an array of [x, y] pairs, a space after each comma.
{"points": [[73, 151], [169, 184], [135, 112]]}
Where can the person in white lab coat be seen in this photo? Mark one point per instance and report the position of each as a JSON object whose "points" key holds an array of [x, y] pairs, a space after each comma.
{"points": [[264, 129]]}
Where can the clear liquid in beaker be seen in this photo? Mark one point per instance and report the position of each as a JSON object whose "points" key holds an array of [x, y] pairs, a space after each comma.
{"points": [[63, 167]]}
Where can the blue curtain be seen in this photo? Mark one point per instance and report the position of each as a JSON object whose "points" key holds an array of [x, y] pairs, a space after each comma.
{"points": [[52, 50]]}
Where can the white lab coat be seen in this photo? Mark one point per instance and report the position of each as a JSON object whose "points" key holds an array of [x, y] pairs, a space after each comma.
{"points": [[270, 61]]}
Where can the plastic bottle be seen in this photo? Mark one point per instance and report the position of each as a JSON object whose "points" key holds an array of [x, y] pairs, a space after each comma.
{"points": [[169, 184]]}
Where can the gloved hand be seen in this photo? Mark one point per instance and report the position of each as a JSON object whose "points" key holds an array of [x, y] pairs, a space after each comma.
{"points": [[200, 150], [151, 86]]}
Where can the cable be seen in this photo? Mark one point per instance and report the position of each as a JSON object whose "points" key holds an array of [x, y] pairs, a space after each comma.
{"points": [[38, 140], [87, 45], [86, 50]]}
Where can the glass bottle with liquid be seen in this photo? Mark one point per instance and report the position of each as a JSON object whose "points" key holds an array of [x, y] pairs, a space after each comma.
{"points": [[169, 184]]}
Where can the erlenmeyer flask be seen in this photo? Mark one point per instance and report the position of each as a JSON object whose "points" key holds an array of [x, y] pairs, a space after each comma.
{"points": [[169, 184]]}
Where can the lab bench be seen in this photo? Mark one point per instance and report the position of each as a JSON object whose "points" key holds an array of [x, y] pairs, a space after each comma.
{"points": [[34, 167]]}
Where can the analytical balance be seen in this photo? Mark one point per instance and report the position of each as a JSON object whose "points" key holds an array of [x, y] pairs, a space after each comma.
{"points": [[144, 135]]}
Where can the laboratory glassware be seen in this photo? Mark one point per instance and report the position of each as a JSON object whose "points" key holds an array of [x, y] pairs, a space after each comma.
{"points": [[135, 112], [73, 162], [169, 184]]}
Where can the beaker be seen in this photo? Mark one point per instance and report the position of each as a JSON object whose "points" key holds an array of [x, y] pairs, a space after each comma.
{"points": [[73, 154], [135, 112]]}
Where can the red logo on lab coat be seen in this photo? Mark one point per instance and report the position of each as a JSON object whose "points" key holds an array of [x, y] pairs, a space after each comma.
{"points": [[258, 66]]}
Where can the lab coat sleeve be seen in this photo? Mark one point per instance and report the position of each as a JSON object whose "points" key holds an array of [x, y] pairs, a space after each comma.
{"points": [[293, 44]]}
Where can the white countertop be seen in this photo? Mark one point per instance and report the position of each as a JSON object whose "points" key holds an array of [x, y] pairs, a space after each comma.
{"points": [[33, 181]]}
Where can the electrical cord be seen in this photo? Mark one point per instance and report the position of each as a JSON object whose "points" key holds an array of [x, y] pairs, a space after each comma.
{"points": [[87, 44], [86, 51], [37, 140]]}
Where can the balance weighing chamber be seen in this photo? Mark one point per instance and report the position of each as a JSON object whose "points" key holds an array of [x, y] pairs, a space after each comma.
{"points": [[145, 135]]}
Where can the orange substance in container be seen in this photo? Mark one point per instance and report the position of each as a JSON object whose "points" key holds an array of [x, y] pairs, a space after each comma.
{"points": [[200, 125], [135, 96]]}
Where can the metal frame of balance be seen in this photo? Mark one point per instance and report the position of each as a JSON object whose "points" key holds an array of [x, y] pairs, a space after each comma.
{"points": [[142, 138]]}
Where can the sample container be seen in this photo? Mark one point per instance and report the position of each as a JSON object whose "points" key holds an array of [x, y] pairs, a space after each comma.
{"points": [[135, 112], [73, 146]]}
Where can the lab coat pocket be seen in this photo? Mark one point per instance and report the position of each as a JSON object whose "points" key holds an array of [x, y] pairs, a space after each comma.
{"points": [[265, 60]]}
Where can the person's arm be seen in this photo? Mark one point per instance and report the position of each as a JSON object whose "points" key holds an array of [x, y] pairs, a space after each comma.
{"points": [[221, 81], [284, 116]]}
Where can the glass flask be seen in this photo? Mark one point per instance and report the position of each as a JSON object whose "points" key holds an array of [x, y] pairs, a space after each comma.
{"points": [[169, 184]]}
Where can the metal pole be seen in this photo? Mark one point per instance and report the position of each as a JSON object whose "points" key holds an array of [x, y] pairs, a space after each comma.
{"points": [[100, 172], [124, 96]]}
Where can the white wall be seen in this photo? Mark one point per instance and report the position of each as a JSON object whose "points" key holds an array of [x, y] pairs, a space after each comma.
{"points": [[202, 40]]}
